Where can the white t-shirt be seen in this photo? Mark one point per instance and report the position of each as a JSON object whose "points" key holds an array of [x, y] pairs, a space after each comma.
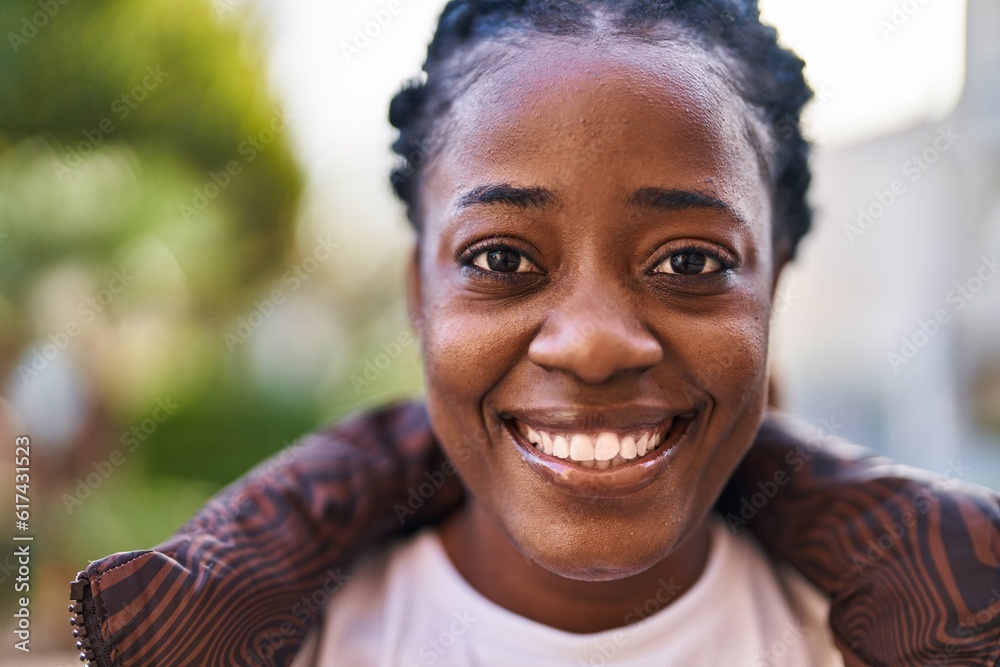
{"points": [[409, 607]]}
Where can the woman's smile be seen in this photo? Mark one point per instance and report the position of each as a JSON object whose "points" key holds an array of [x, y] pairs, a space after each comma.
{"points": [[605, 453]]}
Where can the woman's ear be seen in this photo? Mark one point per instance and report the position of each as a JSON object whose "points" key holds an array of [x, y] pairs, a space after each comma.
{"points": [[414, 292]]}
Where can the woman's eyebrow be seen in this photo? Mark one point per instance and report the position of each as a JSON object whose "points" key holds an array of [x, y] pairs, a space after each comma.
{"points": [[674, 200], [536, 197], [505, 193]]}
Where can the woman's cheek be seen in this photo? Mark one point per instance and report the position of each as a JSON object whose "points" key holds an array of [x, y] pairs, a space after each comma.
{"points": [[730, 360], [469, 347]]}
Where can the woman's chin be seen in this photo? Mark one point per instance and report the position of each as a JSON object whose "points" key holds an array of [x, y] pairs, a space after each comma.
{"points": [[583, 558], [595, 571]]}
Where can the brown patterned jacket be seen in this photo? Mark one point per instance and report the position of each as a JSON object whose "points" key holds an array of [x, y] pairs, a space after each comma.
{"points": [[910, 560]]}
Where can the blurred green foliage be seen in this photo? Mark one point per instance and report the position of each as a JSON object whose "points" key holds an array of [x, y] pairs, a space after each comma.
{"points": [[141, 137], [148, 100]]}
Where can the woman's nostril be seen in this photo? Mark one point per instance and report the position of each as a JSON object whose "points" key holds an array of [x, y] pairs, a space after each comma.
{"points": [[595, 353]]}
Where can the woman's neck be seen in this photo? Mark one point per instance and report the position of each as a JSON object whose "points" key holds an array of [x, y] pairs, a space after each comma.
{"points": [[487, 559]]}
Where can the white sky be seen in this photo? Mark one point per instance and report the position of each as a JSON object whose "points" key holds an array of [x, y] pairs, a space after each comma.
{"points": [[872, 76], [883, 69]]}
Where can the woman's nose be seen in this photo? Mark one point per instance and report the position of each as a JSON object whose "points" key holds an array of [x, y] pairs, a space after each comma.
{"points": [[595, 337]]}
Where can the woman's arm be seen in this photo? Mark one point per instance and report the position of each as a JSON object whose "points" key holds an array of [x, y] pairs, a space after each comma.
{"points": [[244, 580]]}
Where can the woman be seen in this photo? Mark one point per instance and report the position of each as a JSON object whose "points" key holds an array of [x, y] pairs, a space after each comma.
{"points": [[604, 196]]}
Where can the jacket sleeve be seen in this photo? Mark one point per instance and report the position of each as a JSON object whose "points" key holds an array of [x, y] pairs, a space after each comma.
{"points": [[909, 559], [245, 579]]}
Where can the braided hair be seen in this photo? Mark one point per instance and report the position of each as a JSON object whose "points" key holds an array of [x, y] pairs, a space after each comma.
{"points": [[768, 77]]}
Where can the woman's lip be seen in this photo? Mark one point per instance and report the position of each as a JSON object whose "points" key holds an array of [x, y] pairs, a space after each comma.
{"points": [[622, 418], [622, 480]]}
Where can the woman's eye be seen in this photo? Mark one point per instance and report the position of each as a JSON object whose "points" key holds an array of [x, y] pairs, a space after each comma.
{"points": [[689, 264], [502, 260]]}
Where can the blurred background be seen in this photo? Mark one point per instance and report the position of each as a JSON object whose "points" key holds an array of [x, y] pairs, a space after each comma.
{"points": [[200, 257]]}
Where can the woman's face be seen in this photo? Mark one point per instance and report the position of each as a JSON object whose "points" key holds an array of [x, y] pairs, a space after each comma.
{"points": [[594, 276]]}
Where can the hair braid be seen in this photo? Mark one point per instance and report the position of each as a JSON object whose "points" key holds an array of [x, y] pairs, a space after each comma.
{"points": [[767, 76]]}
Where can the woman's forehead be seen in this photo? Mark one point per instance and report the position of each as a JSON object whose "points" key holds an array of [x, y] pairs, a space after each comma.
{"points": [[590, 116], [532, 67]]}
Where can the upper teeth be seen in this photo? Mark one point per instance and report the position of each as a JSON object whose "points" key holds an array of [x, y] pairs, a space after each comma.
{"points": [[600, 450]]}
